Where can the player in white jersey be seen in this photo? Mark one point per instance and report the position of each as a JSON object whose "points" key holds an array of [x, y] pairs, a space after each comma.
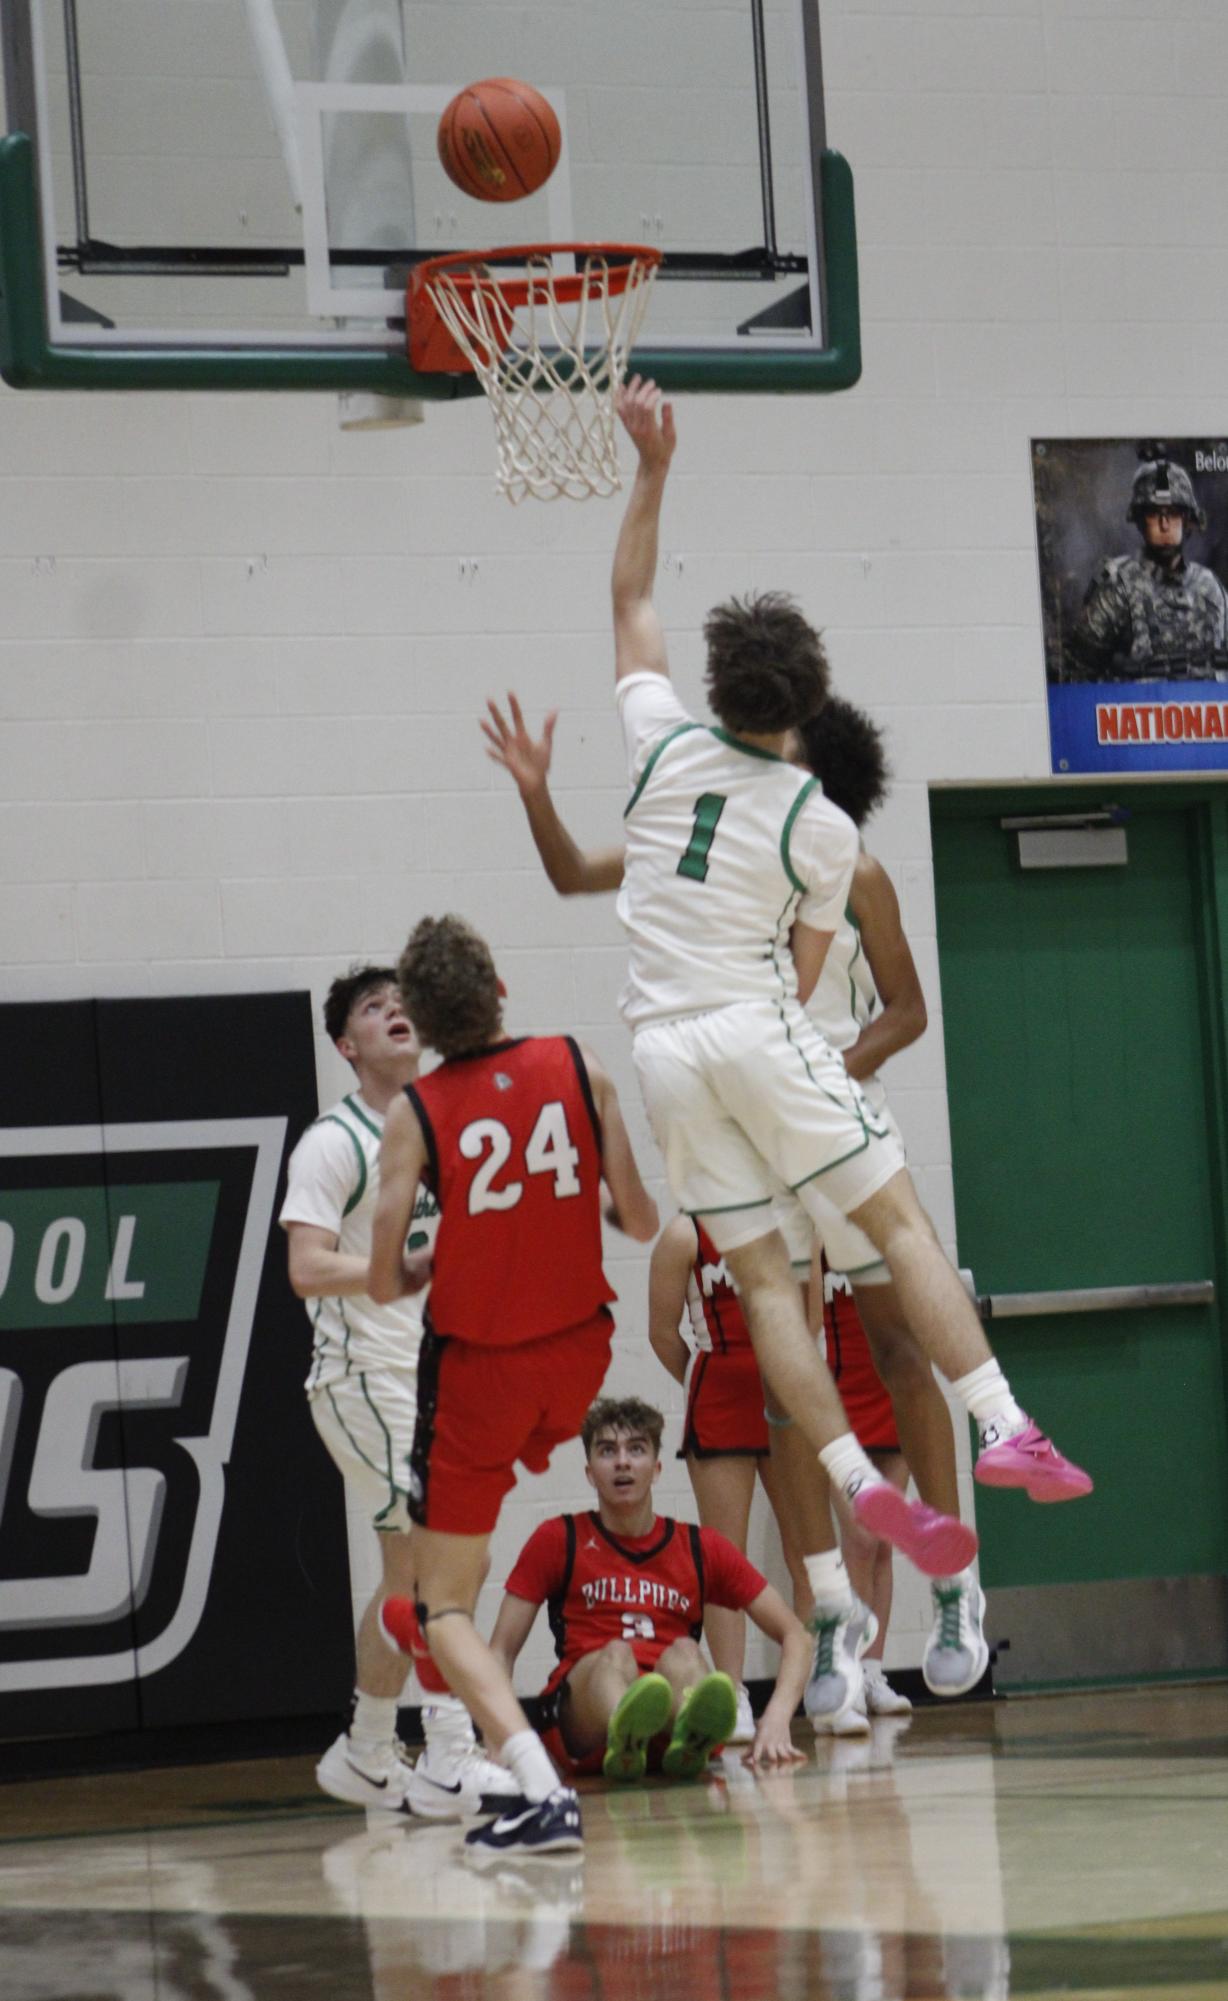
{"points": [[727, 841], [362, 1390], [869, 1005]]}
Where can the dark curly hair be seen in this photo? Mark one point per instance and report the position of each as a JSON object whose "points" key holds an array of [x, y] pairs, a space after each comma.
{"points": [[767, 670], [628, 1414], [449, 986], [844, 749], [348, 989]]}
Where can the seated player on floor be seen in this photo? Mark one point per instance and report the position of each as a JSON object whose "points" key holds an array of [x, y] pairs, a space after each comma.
{"points": [[626, 1590]]}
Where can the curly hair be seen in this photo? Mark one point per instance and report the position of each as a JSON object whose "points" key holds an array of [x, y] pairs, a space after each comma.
{"points": [[767, 670], [348, 989], [449, 986], [844, 749], [622, 1414]]}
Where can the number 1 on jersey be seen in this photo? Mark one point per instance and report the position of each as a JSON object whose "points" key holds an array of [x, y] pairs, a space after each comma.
{"points": [[708, 809]]}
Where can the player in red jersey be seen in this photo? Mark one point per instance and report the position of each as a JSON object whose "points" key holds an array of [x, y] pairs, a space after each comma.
{"points": [[626, 1591], [515, 1137], [725, 1439]]}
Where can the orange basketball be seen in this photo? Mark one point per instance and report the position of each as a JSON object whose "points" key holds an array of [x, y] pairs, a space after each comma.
{"points": [[499, 139]]}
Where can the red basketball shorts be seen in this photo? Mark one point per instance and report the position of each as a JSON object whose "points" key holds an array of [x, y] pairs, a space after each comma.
{"points": [[481, 1409], [724, 1405]]}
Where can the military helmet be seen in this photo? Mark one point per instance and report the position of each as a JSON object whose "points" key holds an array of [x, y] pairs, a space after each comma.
{"points": [[1162, 483]]}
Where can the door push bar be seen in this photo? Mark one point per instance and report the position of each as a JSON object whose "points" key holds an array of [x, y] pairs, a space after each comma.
{"points": [[1093, 1299]]}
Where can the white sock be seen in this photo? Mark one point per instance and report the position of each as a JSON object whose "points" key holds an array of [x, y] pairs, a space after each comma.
{"points": [[374, 1720], [847, 1466], [447, 1723], [826, 1575], [528, 1760], [986, 1396]]}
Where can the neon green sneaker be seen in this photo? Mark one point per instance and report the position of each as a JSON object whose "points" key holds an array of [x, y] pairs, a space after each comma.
{"points": [[706, 1717], [643, 1711]]}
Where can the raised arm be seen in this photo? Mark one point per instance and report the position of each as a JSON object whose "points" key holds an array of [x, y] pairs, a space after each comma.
{"points": [[573, 871], [876, 907], [639, 642], [676, 1250], [402, 1158], [634, 1209]]}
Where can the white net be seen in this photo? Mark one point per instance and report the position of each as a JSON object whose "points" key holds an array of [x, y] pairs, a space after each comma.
{"points": [[550, 349]]}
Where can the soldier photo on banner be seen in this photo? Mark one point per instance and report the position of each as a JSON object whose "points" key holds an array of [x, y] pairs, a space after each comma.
{"points": [[1132, 538]]}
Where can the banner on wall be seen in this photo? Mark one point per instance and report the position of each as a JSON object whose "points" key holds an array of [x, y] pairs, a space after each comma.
{"points": [[1132, 540], [172, 1540]]}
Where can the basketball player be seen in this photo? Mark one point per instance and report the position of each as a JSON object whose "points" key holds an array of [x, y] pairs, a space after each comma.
{"points": [[868, 1005], [725, 1437], [362, 1392], [736, 877], [867, 1558], [514, 1136], [627, 1591]]}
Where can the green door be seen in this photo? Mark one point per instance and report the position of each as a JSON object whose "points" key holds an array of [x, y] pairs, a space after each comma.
{"points": [[1083, 1021]]}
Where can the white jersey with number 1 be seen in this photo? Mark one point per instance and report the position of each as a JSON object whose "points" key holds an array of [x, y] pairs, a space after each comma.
{"points": [[727, 846]]}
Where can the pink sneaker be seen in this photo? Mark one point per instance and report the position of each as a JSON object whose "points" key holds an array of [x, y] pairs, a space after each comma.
{"points": [[938, 1544], [1032, 1461]]}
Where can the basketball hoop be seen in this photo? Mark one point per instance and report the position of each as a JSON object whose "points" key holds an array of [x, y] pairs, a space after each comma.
{"points": [[549, 348]]}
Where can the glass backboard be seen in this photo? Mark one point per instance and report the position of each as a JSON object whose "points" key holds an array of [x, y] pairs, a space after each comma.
{"points": [[233, 192]]}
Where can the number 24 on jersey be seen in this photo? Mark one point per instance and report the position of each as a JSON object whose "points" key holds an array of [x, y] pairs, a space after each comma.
{"points": [[549, 1151]]}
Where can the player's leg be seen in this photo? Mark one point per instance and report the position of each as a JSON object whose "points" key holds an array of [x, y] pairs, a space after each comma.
{"points": [[705, 1710], [453, 1777], [724, 1488], [591, 1693], [607, 1703], [870, 1563], [364, 1766], [736, 1104], [1014, 1453], [477, 1409], [956, 1653], [449, 1569]]}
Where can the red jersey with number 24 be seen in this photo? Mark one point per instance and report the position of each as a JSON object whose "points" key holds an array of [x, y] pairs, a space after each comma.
{"points": [[648, 1590], [514, 1158]]}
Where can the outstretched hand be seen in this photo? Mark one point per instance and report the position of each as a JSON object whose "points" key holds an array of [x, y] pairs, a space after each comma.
{"points": [[649, 422], [525, 759]]}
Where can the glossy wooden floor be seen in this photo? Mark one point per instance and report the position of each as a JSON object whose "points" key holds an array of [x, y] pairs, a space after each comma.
{"points": [[1075, 1845]]}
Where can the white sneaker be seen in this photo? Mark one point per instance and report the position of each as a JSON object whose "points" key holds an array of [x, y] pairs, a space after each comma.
{"points": [[843, 1628], [377, 1778], [881, 1698], [453, 1778], [743, 1731], [957, 1652]]}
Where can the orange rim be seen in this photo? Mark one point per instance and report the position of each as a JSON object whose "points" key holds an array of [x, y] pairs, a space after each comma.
{"points": [[567, 285]]}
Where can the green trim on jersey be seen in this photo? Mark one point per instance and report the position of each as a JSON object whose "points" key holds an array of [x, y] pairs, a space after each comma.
{"points": [[361, 1116], [679, 730], [331, 1119], [751, 749], [810, 786]]}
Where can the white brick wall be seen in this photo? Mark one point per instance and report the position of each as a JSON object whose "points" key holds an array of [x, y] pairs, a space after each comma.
{"points": [[241, 663]]}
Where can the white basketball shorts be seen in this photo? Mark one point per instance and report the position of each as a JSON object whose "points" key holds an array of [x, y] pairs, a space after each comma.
{"points": [[366, 1420], [749, 1100], [847, 1249]]}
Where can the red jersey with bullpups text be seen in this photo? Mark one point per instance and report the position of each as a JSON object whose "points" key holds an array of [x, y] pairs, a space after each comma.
{"points": [[648, 1590], [514, 1158]]}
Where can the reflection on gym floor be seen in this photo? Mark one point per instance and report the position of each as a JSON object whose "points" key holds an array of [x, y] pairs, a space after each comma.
{"points": [[1076, 1844]]}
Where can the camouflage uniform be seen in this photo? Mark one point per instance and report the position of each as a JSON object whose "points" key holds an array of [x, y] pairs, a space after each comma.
{"points": [[1146, 620]]}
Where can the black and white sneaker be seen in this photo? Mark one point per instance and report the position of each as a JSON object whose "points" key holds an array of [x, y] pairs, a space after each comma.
{"points": [[552, 1828]]}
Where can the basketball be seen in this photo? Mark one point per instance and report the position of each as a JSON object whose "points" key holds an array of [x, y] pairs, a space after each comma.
{"points": [[499, 139]]}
